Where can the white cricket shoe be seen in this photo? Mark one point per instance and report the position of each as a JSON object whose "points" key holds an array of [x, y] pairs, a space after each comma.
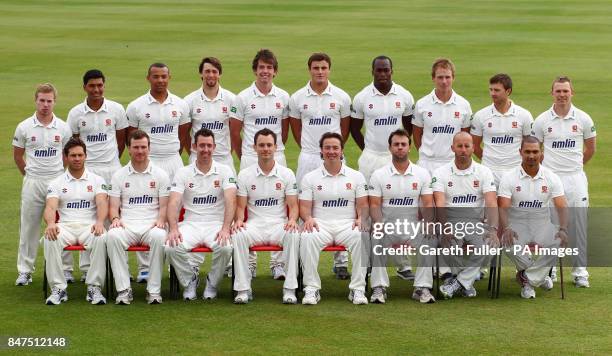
{"points": [[311, 297], [379, 295], [289, 296], [527, 292], [23, 279], [210, 292], [57, 296], [357, 297], [154, 298], [547, 284], [124, 297], [469, 293], [278, 273], [94, 295], [423, 295], [69, 277], [582, 282], [190, 292], [242, 297]]}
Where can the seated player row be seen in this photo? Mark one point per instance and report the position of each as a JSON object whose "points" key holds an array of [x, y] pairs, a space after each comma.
{"points": [[333, 205], [568, 133]]}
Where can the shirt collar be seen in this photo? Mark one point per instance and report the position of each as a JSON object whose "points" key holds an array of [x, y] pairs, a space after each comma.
{"points": [[218, 97], [511, 111], [273, 172], [70, 177], [435, 99], [525, 175], [409, 170], [151, 99], [213, 169], [570, 115], [256, 91], [87, 109], [53, 123], [456, 171], [326, 173], [131, 169], [310, 91], [376, 92]]}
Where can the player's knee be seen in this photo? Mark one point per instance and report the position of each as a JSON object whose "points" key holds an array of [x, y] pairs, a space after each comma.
{"points": [[158, 236], [226, 250], [114, 235]]}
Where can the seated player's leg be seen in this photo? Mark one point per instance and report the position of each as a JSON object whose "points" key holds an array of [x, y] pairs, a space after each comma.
{"points": [[423, 278], [220, 257], [347, 236], [179, 258], [155, 238], [54, 268], [311, 244], [117, 242], [96, 274]]}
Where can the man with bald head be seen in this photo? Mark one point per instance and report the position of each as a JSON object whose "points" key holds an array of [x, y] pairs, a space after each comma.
{"points": [[462, 190]]}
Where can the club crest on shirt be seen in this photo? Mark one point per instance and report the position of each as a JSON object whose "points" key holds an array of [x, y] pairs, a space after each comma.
{"points": [[57, 138], [216, 184], [544, 189], [457, 114], [348, 186], [152, 184], [108, 122], [278, 105], [476, 184], [398, 104], [89, 188], [415, 186], [575, 128], [174, 113], [514, 124], [332, 106], [279, 186]]}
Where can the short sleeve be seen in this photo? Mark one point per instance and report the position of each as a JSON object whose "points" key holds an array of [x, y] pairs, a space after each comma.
{"points": [[229, 180], [115, 187], [467, 118], [66, 134], [306, 189], [476, 127], [409, 102], [121, 117], [291, 184], [488, 182], [73, 121], [100, 186], [527, 123], [53, 190], [345, 108], [357, 108], [294, 110], [418, 119], [537, 129], [178, 184], [375, 189], [286, 107], [437, 184], [361, 189], [184, 119], [237, 110], [164, 184], [132, 115], [506, 187], [19, 139], [242, 189], [426, 183], [588, 128], [556, 189]]}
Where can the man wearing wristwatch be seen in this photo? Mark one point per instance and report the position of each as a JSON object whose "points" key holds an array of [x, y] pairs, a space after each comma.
{"points": [[524, 197]]}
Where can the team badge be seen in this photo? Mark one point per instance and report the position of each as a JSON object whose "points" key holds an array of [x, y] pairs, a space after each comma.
{"points": [[514, 124], [278, 105], [518, 188], [549, 129], [490, 124], [319, 187], [108, 122], [429, 114], [224, 109], [305, 106], [457, 114], [371, 106], [83, 123], [415, 186], [253, 106], [450, 184], [216, 184], [198, 110], [388, 186], [279, 186], [544, 189], [348, 186], [575, 128], [173, 113], [57, 138], [152, 184], [64, 190], [89, 188], [127, 184], [332, 106], [33, 139], [398, 104], [190, 185], [253, 187], [476, 184], [147, 115]]}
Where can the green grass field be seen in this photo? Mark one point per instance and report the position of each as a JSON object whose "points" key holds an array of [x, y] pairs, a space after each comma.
{"points": [[533, 41]]}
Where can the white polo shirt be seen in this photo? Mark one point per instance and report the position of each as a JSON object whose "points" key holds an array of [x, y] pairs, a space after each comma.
{"points": [[440, 122], [319, 113], [203, 193], [266, 193], [160, 121], [531, 196], [382, 114], [563, 139], [43, 146], [213, 115], [333, 197], [258, 111], [98, 130], [140, 192], [77, 197], [463, 189], [400, 193]]}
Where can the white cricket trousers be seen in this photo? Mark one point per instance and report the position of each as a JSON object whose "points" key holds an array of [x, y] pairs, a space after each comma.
{"points": [[132, 234], [197, 234], [33, 200], [265, 233], [76, 234], [576, 188], [467, 267], [338, 232], [536, 267], [423, 276], [369, 161]]}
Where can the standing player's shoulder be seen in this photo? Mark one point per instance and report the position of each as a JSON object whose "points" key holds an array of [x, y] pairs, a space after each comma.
{"points": [[483, 113]]}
